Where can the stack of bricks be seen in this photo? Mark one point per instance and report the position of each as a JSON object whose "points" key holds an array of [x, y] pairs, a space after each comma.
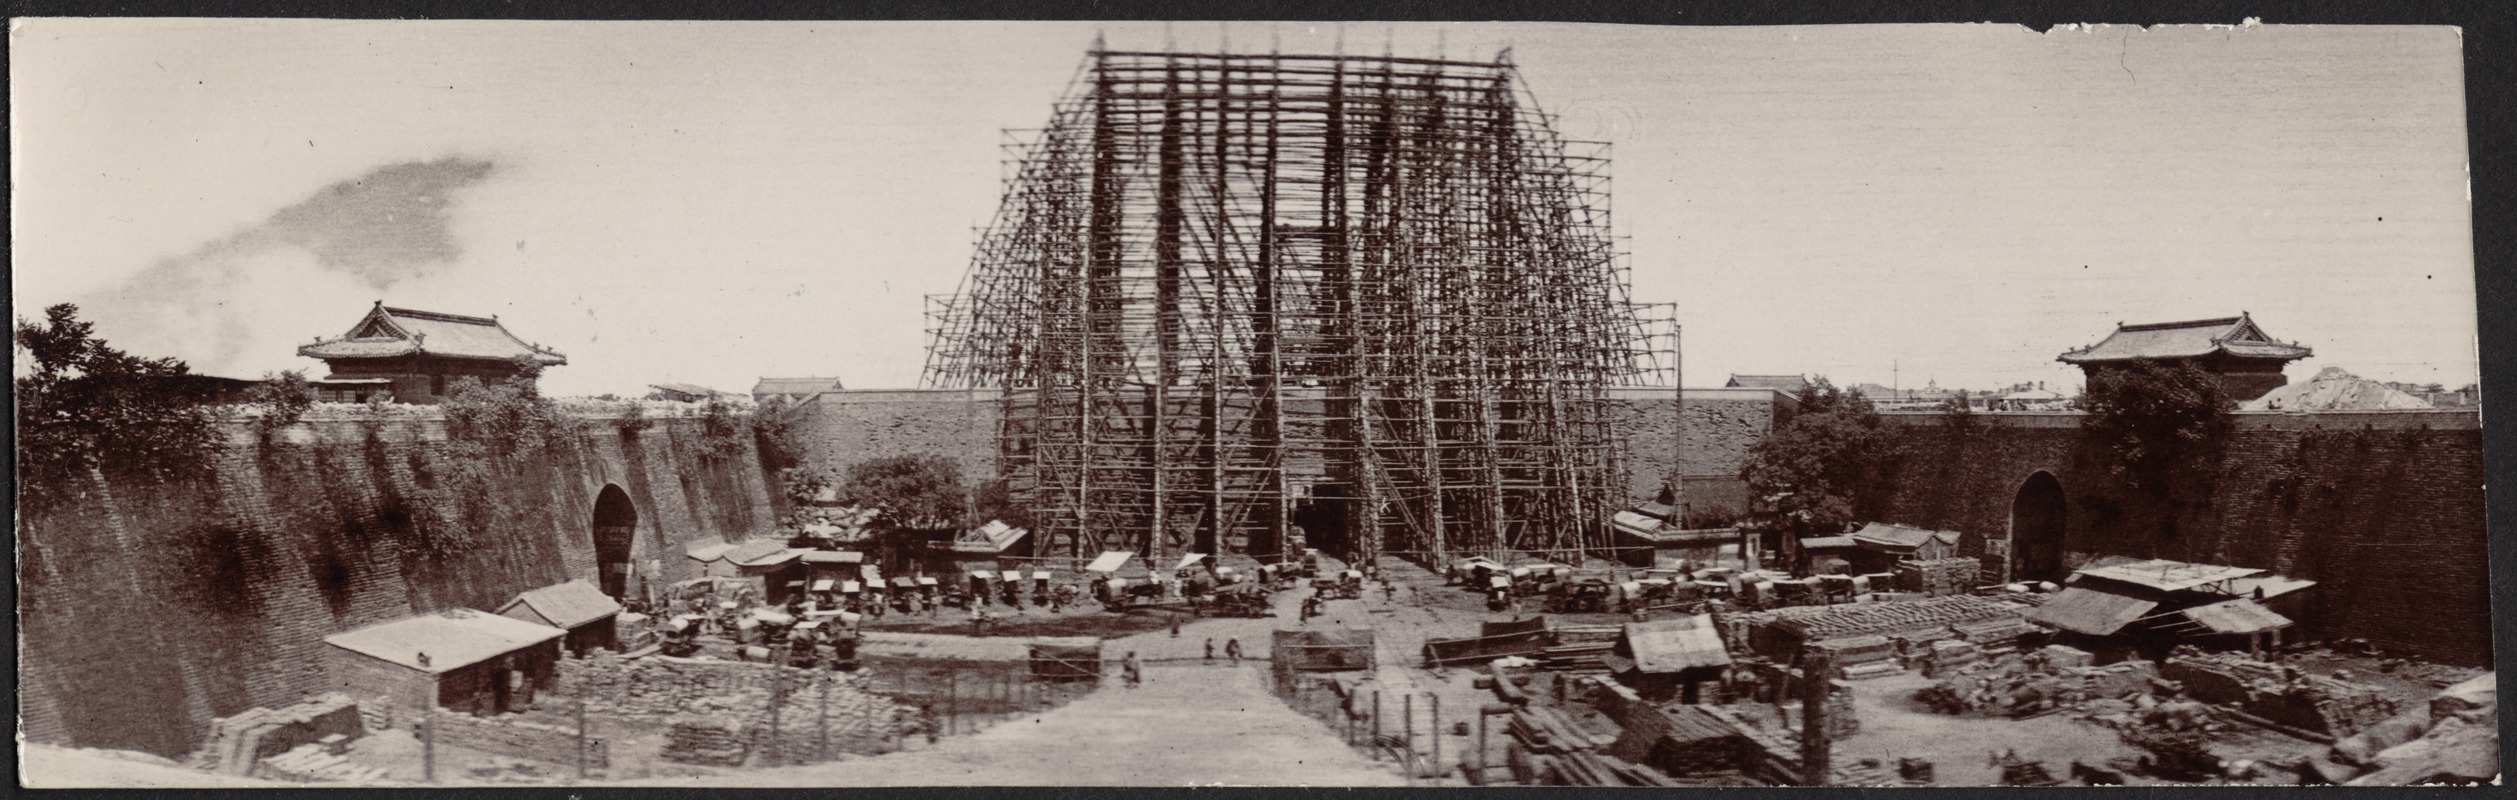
{"points": [[1938, 577], [1779, 633], [707, 740]]}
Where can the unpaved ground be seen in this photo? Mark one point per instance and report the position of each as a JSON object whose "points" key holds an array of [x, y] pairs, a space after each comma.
{"points": [[1894, 726], [1186, 726], [42, 766]]}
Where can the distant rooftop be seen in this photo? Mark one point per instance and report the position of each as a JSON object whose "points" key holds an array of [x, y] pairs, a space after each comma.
{"points": [[794, 387], [1790, 384], [2236, 336], [388, 332]]}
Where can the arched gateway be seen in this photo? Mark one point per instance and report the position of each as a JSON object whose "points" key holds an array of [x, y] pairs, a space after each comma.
{"points": [[615, 528], [2036, 530]]}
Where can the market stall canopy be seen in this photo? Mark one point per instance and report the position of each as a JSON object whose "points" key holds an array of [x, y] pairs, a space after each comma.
{"points": [[707, 549], [993, 537], [827, 585], [1190, 560], [763, 553], [1110, 561], [2091, 610], [2236, 616]]}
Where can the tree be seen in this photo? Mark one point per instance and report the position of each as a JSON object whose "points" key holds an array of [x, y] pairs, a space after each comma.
{"points": [[922, 491], [1830, 465], [2161, 426], [86, 408], [284, 399]]}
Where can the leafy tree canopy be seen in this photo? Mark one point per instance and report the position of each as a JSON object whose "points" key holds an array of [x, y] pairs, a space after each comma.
{"points": [[1828, 466], [911, 491], [2160, 422], [84, 406]]}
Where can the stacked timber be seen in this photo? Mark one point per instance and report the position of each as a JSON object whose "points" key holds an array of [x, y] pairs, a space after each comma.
{"points": [[1585, 768], [1547, 731], [1578, 649]]}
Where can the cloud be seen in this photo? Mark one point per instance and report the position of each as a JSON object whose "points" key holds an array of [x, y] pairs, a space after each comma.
{"points": [[240, 305]]}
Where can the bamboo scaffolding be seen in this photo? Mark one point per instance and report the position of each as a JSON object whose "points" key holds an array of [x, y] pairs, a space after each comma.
{"points": [[1223, 288]]}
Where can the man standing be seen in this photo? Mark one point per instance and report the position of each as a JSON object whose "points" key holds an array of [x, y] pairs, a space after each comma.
{"points": [[1210, 650], [1133, 669]]}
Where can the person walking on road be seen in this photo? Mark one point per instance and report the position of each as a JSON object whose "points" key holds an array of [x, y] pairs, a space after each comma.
{"points": [[1133, 669], [1210, 650], [1232, 650]]}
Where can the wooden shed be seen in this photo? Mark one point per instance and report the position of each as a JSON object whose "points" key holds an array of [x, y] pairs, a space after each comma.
{"points": [[588, 615], [459, 659], [1667, 658]]}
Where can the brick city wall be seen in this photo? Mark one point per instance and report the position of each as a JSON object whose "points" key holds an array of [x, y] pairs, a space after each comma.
{"points": [[845, 427], [842, 428], [147, 610], [2383, 509]]}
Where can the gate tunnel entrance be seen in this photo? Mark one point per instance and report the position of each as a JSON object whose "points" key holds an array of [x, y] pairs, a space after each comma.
{"points": [[615, 528], [2036, 530]]}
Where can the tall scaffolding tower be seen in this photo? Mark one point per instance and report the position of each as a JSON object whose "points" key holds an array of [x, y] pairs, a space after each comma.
{"points": [[1250, 302]]}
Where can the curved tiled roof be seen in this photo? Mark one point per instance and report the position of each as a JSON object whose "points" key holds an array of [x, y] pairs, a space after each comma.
{"points": [[2236, 336], [387, 332]]}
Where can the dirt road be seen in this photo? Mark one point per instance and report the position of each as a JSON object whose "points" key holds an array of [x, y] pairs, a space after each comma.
{"points": [[1187, 726]]}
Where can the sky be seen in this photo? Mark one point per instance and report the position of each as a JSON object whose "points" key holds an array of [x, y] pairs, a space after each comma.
{"points": [[710, 203]]}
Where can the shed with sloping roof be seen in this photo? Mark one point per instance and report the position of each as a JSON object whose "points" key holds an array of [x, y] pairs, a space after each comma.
{"points": [[780, 568], [461, 659], [1668, 658], [2093, 609], [585, 612]]}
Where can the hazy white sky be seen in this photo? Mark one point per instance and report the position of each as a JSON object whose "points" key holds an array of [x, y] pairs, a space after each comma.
{"points": [[712, 202]]}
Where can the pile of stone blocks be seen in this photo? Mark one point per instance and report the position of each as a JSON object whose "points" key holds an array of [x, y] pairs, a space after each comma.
{"points": [[238, 743], [706, 740], [858, 721], [2279, 694], [315, 763]]}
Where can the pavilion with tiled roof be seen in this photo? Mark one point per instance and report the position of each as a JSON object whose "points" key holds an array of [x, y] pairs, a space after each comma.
{"points": [[421, 352], [2248, 361]]}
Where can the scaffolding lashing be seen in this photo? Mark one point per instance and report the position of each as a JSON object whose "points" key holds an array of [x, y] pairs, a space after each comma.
{"points": [[1255, 302]]}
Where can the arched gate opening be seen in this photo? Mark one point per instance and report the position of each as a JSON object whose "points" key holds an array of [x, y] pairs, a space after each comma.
{"points": [[2036, 529], [615, 528]]}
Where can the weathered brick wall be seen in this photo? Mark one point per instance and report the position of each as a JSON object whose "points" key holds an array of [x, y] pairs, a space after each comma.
{"points": [[2384, 510], [519, 739], [843, 428], [840, 429], [147, 610]]}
